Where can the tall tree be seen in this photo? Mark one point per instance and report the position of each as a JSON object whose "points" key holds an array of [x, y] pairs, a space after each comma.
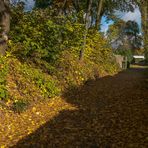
{"points": [[143, 5], [125, 34], [99, 9], [42, 3], [116, 31], [4, 24], [87, 22]]}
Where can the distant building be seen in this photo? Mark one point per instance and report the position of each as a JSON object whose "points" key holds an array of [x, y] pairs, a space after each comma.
{"points": [[138, 58], [122, 61]]}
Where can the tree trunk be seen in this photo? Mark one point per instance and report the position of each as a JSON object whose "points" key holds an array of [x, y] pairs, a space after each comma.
{"points": [[76, 4], [99, 8], [87, 21], [4, 25], [144, 16], [64, 7]]}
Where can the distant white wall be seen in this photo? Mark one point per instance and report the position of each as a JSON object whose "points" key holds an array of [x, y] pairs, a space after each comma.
{"points": [[138, 57], [119, 60]]}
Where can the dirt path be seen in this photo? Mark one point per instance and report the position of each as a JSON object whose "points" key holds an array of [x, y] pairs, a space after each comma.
{"points": [[110, 112]]}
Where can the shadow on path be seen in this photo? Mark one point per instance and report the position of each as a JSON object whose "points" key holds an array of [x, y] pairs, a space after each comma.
{"points": [[111, 113]]}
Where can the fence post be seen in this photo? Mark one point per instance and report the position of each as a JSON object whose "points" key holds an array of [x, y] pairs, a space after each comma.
{"points": [[124, 63]]}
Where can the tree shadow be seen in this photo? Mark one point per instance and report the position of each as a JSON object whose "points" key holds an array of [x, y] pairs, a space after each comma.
{"points": [[107, 116], [140, 63]]}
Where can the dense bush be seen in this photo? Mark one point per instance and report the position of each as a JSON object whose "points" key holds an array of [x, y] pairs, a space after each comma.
{"points": [[41, 37], [21, 84], [98, 60], [44, 56], [20, 106], [25, 77], [3, 78], [125, 52]]}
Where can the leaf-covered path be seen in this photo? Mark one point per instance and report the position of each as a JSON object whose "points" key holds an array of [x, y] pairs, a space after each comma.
{"points": [[110, 112]]}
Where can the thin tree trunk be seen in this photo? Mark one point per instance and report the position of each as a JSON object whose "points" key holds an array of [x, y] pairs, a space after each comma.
{"points": [[76, 4], [63, 7], [92, 21], [144, 15], [86, 29], [62, 10], [99, 8]]}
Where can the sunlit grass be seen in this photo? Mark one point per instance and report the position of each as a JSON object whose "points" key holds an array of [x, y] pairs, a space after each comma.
{"points": [[138, 66]]}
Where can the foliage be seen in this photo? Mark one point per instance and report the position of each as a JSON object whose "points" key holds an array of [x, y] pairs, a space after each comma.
{"points": [[44, 55], [20, 106], [24, 77], [98, 60], [125, 34], [21, 84], [46, 84], [42, 3], [72, 72], [3, 79], [116, 30], [101, 52], [126, 53], [41, 39]]}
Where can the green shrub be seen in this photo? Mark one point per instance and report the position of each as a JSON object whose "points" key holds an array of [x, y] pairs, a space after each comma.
{"points": [[27, 76], [25, 83], [47, 50], [125, 52], [45, 82], [3, 75], [3, 92], [39, 37], [20, 106]]}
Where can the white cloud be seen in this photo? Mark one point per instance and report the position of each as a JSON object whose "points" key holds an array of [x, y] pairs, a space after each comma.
{"points": [[133, 16]]}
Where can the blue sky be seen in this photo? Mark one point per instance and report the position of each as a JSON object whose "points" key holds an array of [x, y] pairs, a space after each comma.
{"points": [[126, 16], [30, 4], [104, 24]]}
